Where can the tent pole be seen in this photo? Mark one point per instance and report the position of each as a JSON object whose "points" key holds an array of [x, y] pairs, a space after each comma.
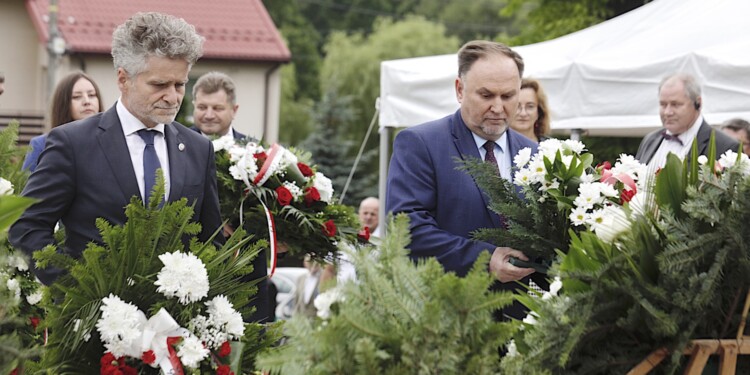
{"points": [[385, 136]]}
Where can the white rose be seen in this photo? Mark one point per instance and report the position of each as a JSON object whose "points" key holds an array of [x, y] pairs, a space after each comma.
{"points": [[324, 186]]}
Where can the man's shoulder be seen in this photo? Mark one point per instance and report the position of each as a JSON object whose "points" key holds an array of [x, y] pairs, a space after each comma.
{"points": [[432, 128]]}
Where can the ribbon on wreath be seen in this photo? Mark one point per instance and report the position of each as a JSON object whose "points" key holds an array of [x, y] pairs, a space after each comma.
{"points": [[160, 333]]}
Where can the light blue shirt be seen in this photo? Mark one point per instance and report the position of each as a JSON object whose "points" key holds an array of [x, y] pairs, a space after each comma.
{"points": [[502, 153]]}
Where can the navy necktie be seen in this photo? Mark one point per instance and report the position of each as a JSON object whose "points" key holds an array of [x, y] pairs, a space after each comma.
{"points": [[670, 137], [489, 157], [150, 163]]}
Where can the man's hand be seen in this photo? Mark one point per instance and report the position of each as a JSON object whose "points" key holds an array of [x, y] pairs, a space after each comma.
{"points": [[502, 269]]}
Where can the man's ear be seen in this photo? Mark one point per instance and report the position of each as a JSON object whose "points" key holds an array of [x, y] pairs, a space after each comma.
{"points": [[459, 89]]}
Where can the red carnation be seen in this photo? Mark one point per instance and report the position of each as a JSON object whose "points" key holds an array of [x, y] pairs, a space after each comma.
{"points": [[311, 195], [284, 196], [224, 370], [329, 228], [606, 165], [306, 171], [626, 195], [108, 359], [34, 321], [261, 157], [148, 357], [225, 349], [364, 234]]}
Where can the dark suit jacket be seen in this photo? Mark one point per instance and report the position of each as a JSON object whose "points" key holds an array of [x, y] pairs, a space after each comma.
{"points": [[444, 204], [85, 172], [651, 142]]}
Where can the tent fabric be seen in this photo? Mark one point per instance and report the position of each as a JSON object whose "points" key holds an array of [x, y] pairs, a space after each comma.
{"points": [[604, 79]]}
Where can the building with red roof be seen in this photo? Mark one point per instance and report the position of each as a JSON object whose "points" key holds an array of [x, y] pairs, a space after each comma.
{"points": [[241, 41]]}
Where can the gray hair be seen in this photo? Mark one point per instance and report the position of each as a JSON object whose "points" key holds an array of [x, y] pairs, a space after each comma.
{"points": [[212, 82], [477, 49], [691, 84], [154, 34]]}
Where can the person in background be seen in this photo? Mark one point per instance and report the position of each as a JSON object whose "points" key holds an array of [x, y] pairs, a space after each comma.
{"points": [[680, 104], [533, 118], [308, 287], [215, 105], [738, 129], [368, 215], [444, 204], [90, 169], [214, 108], [76, 97]]}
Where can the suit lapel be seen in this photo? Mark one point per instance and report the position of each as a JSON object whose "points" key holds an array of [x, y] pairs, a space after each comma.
{"points": [[115, 150], [467, 147], [703, 137], [651, 146], [177, 163]]}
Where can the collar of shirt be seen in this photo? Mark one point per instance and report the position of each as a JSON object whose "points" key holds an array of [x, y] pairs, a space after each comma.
{"points": [[501, 154], [131, 124], [687, 136]]}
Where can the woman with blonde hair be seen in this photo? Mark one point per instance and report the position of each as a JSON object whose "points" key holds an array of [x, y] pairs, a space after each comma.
{"points": [[532, 119], [76, 97]]}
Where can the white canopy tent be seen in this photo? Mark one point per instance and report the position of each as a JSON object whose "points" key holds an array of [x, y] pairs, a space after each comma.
{"points": [[602, 79]]}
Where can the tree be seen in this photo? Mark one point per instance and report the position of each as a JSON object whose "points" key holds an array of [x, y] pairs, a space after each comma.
{"points": [[295, 119]]}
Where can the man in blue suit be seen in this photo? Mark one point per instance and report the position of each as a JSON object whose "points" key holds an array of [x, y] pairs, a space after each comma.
{"points": [[91, 168], [444, 204]]}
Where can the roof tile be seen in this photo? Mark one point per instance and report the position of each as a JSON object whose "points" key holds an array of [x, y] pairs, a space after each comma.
{"points": [[235, 30]]}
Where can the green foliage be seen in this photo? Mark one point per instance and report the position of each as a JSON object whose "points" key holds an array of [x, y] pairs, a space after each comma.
{"points": [[673, 277], [11, 158], [126, 265], [295, 121], [400, 318]]}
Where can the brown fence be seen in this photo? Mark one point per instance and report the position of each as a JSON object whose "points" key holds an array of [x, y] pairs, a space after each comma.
{"points": [[31, 124]]}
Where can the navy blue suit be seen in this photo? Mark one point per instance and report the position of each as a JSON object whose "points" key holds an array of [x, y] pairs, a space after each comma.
{"points": [[444, 204], [85, 172]]}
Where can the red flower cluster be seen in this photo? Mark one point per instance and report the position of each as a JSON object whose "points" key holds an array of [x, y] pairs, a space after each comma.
{"points": [[364, 234], [311, 195], [148, 357], [225, 349], [34, 321], [224, 370], [115, 366], [329, 228]]}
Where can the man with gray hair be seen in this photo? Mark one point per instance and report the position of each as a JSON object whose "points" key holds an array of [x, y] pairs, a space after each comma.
{"points": [[215, 105], [91, 168], [738, 129], [680, 104]]}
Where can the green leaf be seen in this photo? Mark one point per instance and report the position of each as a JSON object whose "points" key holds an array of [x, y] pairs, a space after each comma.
{"points": [[11, 208]]}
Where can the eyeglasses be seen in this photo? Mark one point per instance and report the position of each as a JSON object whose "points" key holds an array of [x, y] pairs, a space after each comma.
{"points": [[530, 107]]}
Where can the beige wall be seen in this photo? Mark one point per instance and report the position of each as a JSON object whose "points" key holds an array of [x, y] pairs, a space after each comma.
{"points": [[24, 62]]}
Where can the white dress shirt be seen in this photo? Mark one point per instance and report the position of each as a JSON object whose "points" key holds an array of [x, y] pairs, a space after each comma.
{"points": [[130, 127], [502, 153], [666, 146]]}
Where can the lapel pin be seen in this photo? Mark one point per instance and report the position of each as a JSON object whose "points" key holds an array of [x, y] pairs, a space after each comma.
{"points": [[181, 147]]}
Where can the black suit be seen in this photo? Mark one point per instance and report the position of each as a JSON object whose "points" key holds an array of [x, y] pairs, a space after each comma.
{"points": [[85, 172], [651, 142]]}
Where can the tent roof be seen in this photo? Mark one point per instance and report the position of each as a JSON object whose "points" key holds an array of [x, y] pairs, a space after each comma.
{"points": [[604, 78]]}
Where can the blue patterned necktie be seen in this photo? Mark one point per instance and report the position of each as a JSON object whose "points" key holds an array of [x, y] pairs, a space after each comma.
{"points": [[150, 163]]}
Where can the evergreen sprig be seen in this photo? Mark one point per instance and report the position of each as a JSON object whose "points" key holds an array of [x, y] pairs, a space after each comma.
{"points": [[400, 318]]}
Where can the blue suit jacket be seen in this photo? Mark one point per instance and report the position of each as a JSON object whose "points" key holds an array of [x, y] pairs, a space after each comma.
{"points": [[444, 204], [35, 148], [85, 172]]}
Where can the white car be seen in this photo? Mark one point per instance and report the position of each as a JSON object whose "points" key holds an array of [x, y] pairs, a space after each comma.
{"points": [[285, 279]]}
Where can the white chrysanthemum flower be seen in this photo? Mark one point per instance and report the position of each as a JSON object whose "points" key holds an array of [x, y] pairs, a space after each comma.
{"points": [[120, 326], [522, 157], [537, 170], [34, 298], [294, 189], [324, 186], [589, 194], [550, 147], [324, 301], [578, 216], [575, 146], [728, 159], [18, 262], [191, 352], [223, 323], [702, 160], [548, 185], [522, 177], [14, 287], [607, 190], [566, 160], [585, 177], [6, 188], [183, 276], [223, 143]]}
